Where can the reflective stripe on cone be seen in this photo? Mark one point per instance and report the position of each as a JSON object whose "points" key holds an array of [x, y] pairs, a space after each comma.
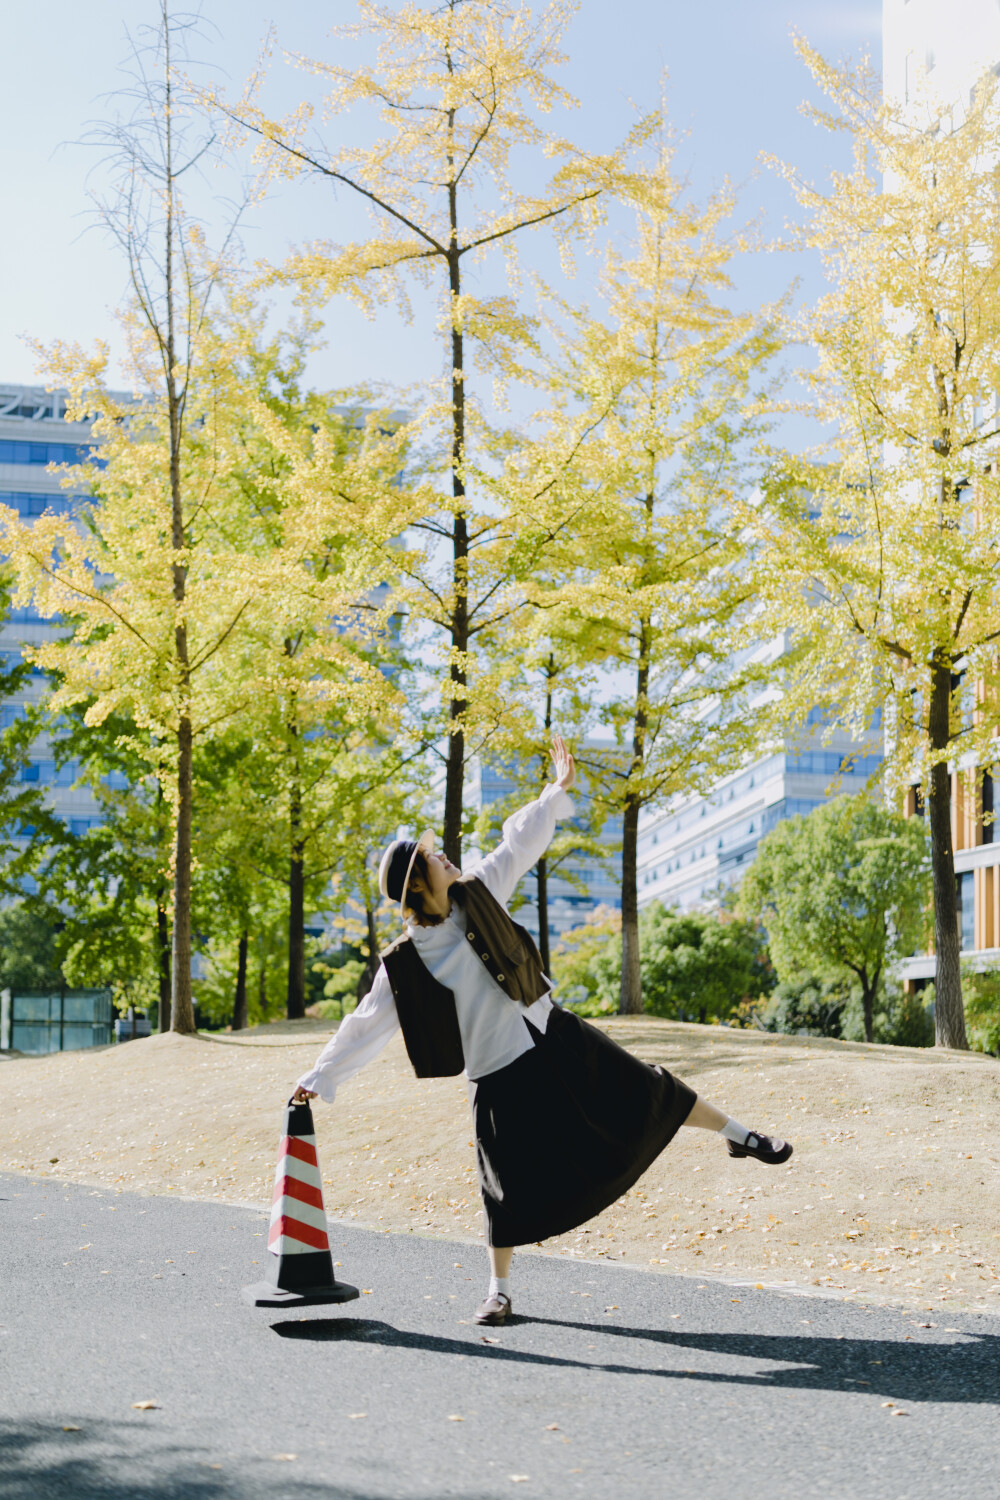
{"points": [[298, 1219]]}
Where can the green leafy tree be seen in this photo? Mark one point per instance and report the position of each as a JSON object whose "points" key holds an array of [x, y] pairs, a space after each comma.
{"points": [[586, 963], [29, 948], [982, 1008], [808, 1004], [842, 893], [27, 828], [698, 966], [112, 883]]}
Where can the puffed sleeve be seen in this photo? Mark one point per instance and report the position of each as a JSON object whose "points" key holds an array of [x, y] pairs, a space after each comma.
{"points": [[359, 1039], [526, 836]]}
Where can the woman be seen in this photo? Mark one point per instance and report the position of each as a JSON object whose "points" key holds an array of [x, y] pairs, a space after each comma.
{"points": [[565, 1120]]}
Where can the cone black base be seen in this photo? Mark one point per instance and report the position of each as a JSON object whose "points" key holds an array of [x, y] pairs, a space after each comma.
{"points": [[266, 1294]]}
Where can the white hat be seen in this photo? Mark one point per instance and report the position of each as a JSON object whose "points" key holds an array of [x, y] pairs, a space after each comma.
{"points": [[396, 866]]}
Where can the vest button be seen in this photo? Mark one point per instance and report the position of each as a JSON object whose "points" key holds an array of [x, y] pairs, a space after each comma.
{"points": [[500, 978], [486, 958], [471, 936]]}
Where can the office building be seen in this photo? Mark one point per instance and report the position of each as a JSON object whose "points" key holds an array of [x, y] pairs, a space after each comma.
{"points": [[938, 47], [34, 434], [693, 851]]}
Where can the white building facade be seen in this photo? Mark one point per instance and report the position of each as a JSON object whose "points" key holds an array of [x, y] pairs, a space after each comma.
{"points": [[942, 45], [691, 853]]}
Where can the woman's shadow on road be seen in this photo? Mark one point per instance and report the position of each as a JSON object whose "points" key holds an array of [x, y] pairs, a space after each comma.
{"points": [[959, 1372]]}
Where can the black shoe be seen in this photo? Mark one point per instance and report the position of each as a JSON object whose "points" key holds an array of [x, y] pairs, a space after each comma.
{"points": [[496, 1309], [764, 1148]]}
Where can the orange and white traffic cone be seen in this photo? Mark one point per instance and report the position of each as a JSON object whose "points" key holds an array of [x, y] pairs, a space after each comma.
{"points": [[301, 1273]]}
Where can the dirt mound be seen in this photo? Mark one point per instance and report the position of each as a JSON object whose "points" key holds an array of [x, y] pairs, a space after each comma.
{"points": [[892, 1191]]}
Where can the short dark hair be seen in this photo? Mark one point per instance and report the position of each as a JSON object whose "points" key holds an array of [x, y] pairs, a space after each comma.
{"points": [[414, 900]]}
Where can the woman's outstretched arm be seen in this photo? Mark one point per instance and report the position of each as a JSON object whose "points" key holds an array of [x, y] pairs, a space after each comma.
{"points": [[528, 832], [359, 1039]]}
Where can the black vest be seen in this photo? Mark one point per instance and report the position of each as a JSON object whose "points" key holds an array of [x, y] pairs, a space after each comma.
{"points": [[426, 1009]]}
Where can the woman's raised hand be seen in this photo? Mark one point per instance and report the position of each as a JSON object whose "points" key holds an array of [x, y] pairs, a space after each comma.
{"points": [[565, 770]]}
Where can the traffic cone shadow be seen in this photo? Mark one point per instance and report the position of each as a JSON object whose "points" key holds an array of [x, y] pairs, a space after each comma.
{"points": [[301, 1272]]}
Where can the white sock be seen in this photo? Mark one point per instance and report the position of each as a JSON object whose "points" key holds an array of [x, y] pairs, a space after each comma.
{"points": [[734, 1131], [499, 1286]]}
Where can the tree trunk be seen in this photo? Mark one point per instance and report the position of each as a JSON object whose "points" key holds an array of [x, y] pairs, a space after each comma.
{"points": [[542, 884], [371, 967], [949, 1012], [455, 769], [630, 1001], [163, 957], [542, 867], [296, 999], [240, 998], [868, 1010], [182, 1007]]}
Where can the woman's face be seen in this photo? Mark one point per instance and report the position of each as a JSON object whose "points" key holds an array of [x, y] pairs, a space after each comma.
{"points": [[441, 875]]}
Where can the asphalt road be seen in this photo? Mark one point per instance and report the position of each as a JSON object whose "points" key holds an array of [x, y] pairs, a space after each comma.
{"points": [[612, 1382]]}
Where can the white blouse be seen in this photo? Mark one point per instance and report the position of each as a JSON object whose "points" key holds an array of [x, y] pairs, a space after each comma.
{"points": [[492, 1025]]}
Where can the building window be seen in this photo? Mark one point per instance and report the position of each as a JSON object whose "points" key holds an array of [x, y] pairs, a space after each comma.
{"points": [[966, 885], [41, 453], [988, 826]]}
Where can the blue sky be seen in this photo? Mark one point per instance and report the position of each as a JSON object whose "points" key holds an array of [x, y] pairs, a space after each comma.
{"points": [[734, 89]]}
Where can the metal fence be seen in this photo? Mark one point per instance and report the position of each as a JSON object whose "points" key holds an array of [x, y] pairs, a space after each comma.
{"points": [[55, 1021]]}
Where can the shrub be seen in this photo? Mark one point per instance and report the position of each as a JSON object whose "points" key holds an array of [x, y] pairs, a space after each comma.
{"points": [[982, 1009], [340, 989], [696, 966], [586, 964], [907, 1020], [699, 966], [809, 1006]]}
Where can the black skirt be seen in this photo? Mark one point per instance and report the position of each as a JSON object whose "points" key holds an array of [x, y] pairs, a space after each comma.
{"points": [[568, 1127]]}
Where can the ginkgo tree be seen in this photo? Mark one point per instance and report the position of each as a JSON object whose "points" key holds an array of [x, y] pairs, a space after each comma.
{"points": [[651, 583], [322, 471], [459, 90], [150, 620], [879, 550], [168, 578]]}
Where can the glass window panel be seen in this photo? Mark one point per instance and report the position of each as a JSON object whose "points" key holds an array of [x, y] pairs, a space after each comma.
{"points": [[34, 1007], [82, 1007], [967, 909], [76, 1037], [33, 1039]]}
